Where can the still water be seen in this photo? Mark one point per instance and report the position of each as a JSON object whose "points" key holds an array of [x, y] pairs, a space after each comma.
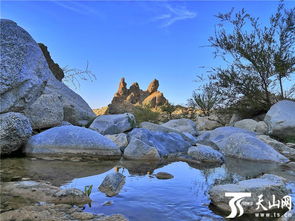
{"points": [[144, 197]]}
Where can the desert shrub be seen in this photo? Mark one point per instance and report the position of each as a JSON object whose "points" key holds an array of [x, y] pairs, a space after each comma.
{"points": [[145, 113], [168, 108]]}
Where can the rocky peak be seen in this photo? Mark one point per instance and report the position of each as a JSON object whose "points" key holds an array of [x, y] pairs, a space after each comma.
{"points": [[153, 86], [126, 98], [122, 90]]}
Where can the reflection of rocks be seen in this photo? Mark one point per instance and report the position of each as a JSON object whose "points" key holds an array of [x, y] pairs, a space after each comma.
{"points": [[112, 184], [57, 172], [42, 192], [246, 168], [140, 168], [55, 212], [267, 185]]}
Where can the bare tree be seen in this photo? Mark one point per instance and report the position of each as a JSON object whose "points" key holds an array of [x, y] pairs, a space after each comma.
{"points": [[74, 75]]}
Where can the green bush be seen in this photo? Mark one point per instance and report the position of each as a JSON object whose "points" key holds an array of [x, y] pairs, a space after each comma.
{"points": [[145, 113]]}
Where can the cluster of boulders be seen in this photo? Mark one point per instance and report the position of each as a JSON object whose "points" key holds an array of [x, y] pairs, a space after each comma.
{"points": [[32, 98]]}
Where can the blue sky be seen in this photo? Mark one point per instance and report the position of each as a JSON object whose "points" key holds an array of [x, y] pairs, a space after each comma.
{"points": [[137, 40]]}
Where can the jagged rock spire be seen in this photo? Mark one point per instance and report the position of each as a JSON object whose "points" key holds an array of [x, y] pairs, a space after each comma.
{"points": [[153, 86]]}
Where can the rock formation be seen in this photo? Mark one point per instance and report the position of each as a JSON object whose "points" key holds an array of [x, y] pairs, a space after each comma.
{"points": [[54, 67], [125, 99], [28, 86]]}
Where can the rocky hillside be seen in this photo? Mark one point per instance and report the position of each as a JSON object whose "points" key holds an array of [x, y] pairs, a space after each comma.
{"points": [[124, 99]]}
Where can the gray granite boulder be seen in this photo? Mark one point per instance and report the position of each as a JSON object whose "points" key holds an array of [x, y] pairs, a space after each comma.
{"points": [[72, 140], [182, 125], [160, 128], [281, 119], [278, 146], [207, 123], [23, 69], [266, 185], [165, 143], [25, 76], [119, 139], [112, 184], [47, 111], [138, 150], [113, 124], [15, 130], [252, 125], [240, 143], [206, 154]]}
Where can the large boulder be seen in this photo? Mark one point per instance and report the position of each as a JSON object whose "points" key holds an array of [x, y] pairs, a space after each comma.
{"points": [[244, 146], [160, 128], [113, 124], [252, 125], [120, 139], [207, 123], [182, 125], [206, 154], [240, 143], [47, 111], [72, 140], [112, 184], [23, 68], [281, 119], [138, 150], [278, 146], [164, 143], [266, 185], [15, 130], [25, 76]]}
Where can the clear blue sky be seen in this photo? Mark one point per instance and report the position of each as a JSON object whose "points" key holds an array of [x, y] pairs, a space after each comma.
{"points": [[139, 40]]}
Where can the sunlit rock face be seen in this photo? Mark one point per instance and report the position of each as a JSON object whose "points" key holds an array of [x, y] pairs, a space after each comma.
{"points": [[125, 99]]}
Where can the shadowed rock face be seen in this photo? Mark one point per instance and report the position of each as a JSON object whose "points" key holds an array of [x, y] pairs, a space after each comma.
{"points": [[124, 99], [54, 67]]}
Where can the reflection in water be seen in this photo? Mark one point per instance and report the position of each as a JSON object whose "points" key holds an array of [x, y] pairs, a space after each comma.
{"points": [[144, 197]]}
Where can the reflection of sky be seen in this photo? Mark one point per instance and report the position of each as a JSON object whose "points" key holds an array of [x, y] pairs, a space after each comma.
{"points": [[182, 198], [147, 198]]}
